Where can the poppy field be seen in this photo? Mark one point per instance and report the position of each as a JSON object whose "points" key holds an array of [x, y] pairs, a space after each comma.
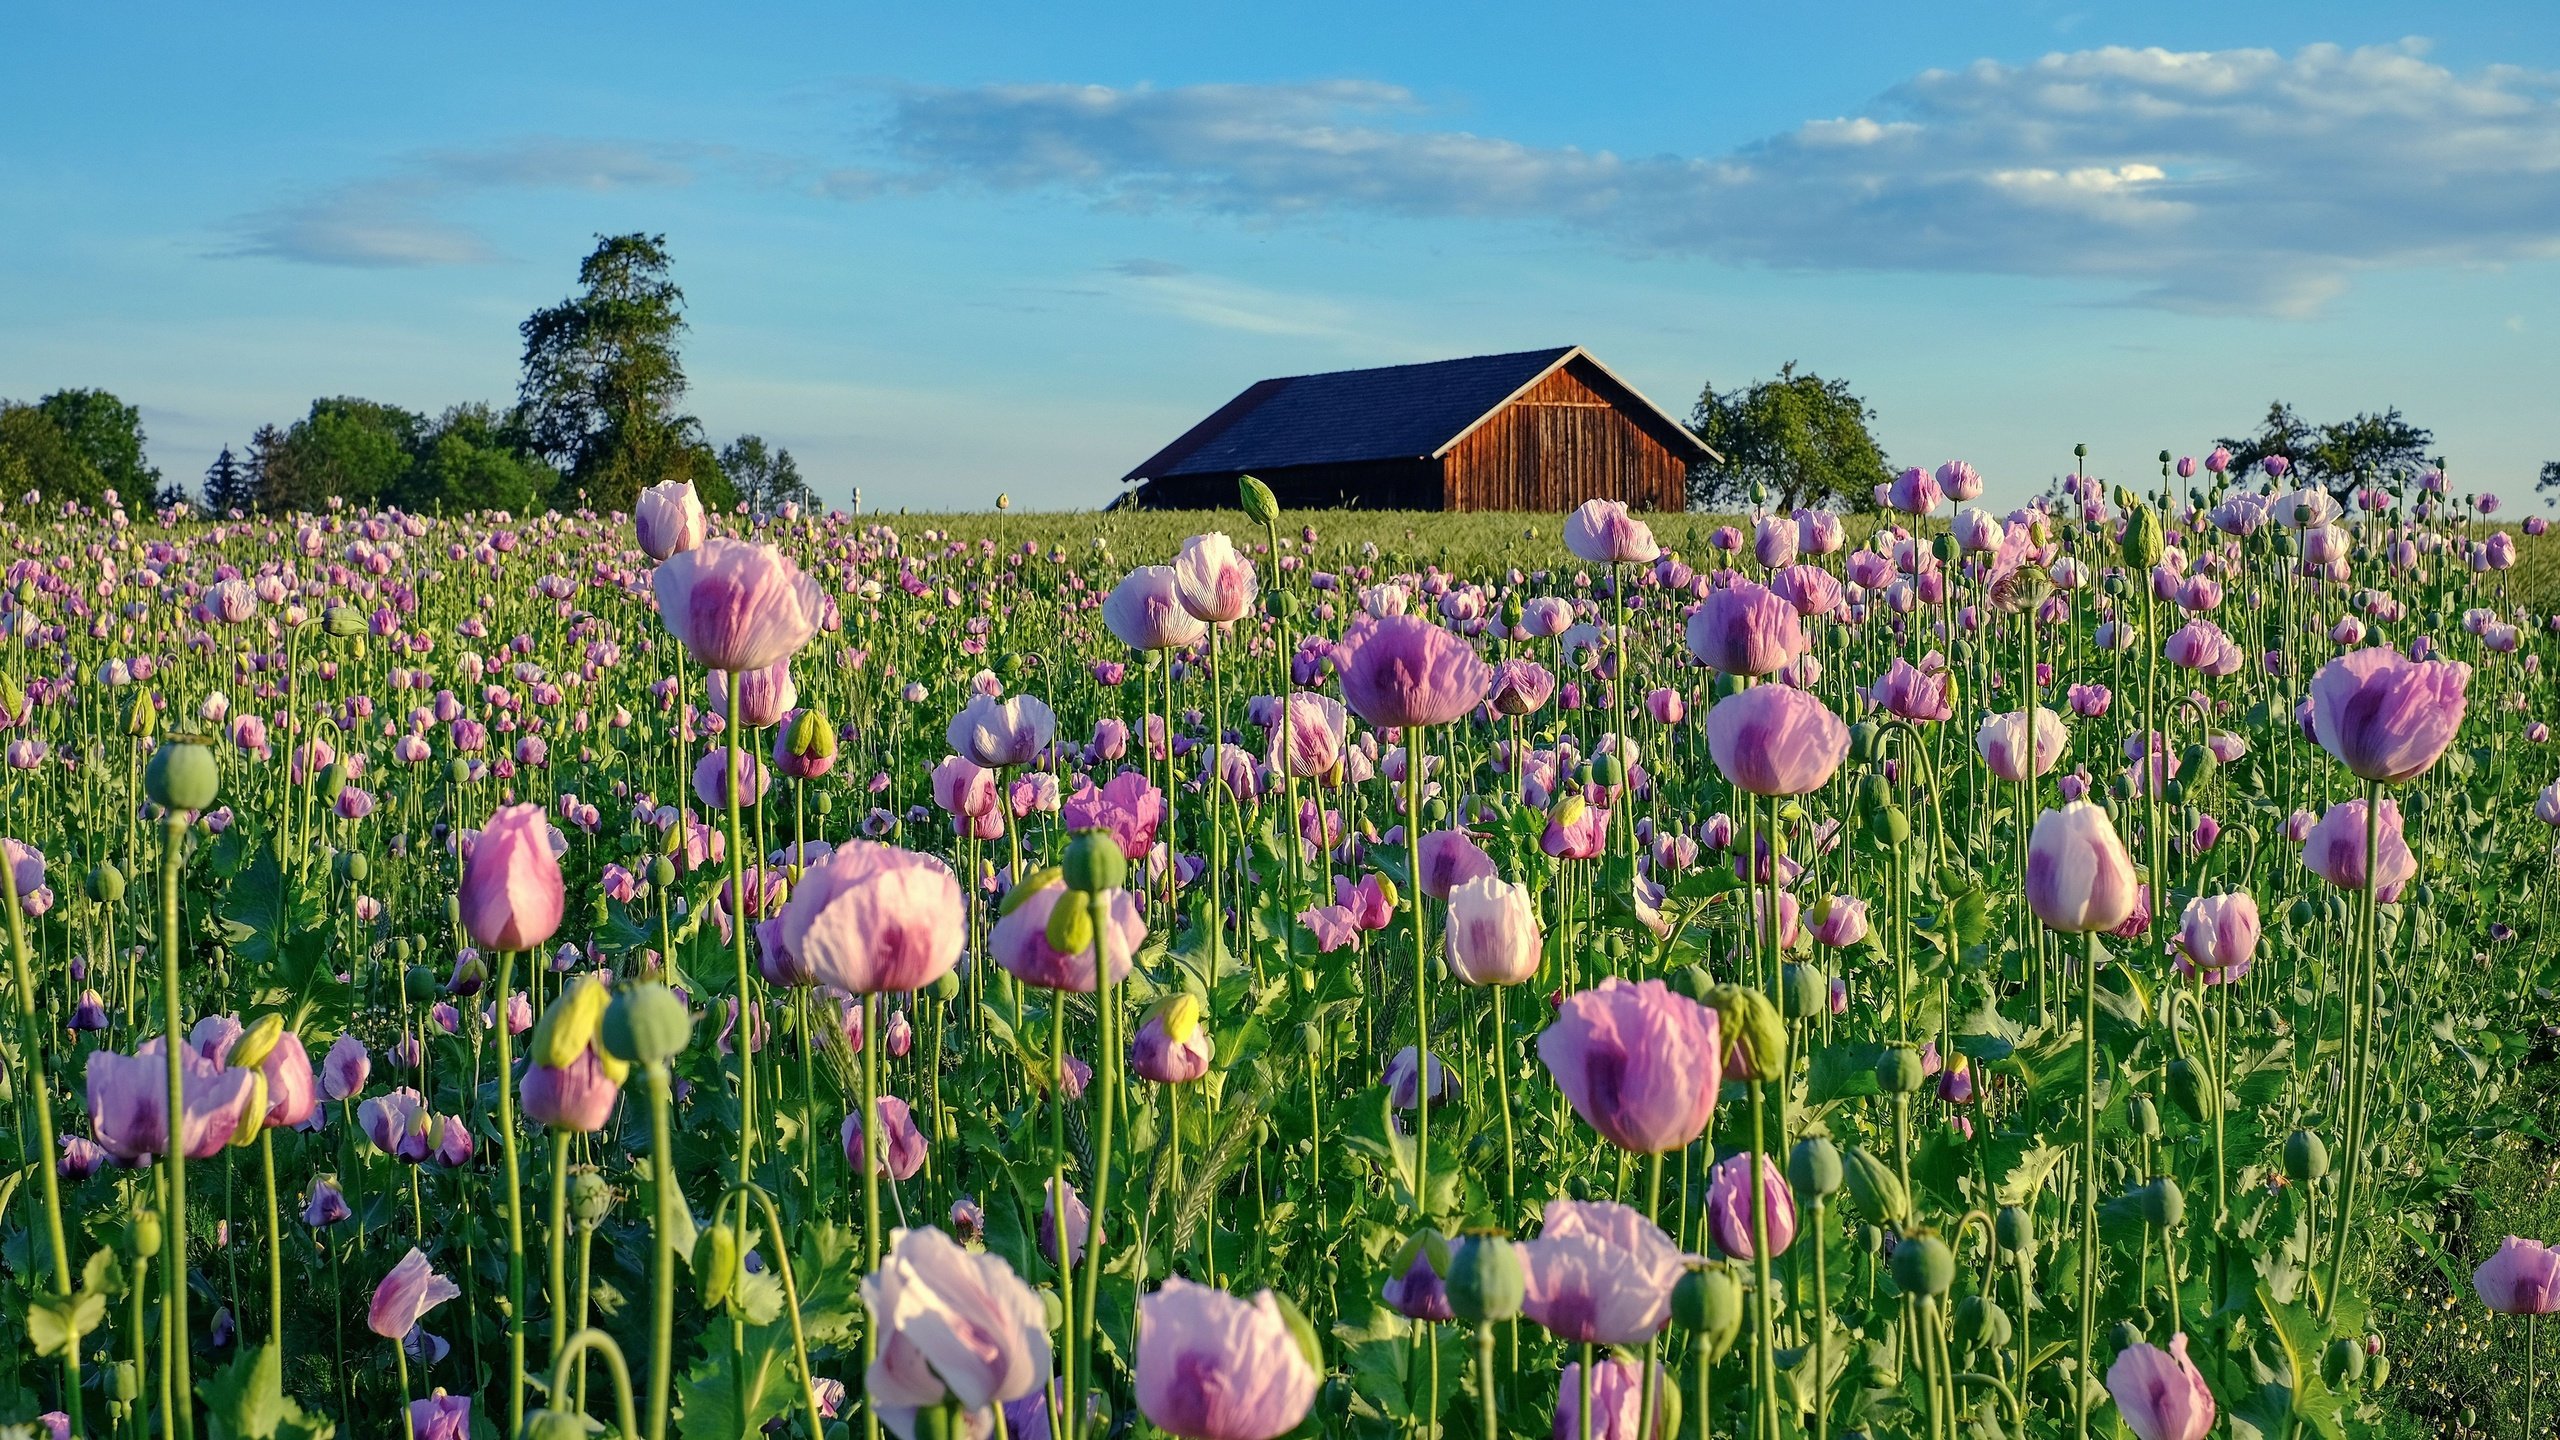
{"points": [[2074, 971]]}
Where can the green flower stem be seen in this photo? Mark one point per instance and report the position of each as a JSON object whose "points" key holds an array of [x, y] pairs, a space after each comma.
{"points": [[1107, 1075], [400, 1357], [1764, 1292], [2089, 950], [514, 1194], [662, 1259], [40, 1102], [1492, 1419], [738, 950], [275, 1237], [558, 1247], [871, 1141], [592, 1339], [2362, 979], [1421, 981], [177, 1378]]}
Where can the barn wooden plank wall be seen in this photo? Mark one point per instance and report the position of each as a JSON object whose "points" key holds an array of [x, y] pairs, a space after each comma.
{"points": [[1558, 445]]}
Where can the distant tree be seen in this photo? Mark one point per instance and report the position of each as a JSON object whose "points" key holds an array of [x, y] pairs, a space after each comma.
{"points": [[36, 456], [765, 477], [108, 434], [269, 466], [1803, 437], [475, 458], [2339, 455], [602, 381], [229, 485], [359, 451], [2549, 484]]}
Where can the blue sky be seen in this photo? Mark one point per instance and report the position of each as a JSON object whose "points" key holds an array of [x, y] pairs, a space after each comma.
{"points": [[939, 255]]}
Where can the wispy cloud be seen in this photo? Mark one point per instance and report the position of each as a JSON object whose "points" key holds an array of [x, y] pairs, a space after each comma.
{"points": [[402, 218], [2236, 180]]}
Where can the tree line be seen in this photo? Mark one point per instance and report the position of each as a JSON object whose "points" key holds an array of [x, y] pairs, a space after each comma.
{"points": [[597, 418]]}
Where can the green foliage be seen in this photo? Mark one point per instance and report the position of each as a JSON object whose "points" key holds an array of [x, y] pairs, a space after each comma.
{"points": [[2339, 454], [1801, 436], [108, 434], [36, 456], [765, 477], [603, 383]]}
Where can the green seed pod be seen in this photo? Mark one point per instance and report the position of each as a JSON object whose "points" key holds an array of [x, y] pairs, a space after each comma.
{"points": [[1095, 862], [1875, 1188], [353, 866], [2342, 1364], [2306, 1157], [946, 986], [1708, 1302], [1874, 791], [1807, 991], [1813, 1167], [421, 983], [1260, 505], [1923, 1265], [1485, 1280], [1866, 742], [142, 1234], [2162, 1204], [1889, 825], [2300, 913], [2016, 1227], [717, 1265], [1900, 1070], [458, 770], [2143, 1116], [1609, 770], [590, 1199], [182, 775], [2192, 1089], [106, 883], [1981, 1325], [662, 872], [824, 802], [647, 1025]]}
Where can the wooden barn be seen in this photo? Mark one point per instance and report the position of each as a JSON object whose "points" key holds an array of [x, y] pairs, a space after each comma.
{"points": [[1532, 430]]}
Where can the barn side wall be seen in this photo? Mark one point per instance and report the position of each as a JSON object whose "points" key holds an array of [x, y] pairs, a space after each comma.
{"points": [[1560, 444]]}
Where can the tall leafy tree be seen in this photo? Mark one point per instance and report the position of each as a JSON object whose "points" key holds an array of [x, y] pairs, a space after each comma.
{"points": [[229, 485], [475, 458], [765, 477], [359, 451], [1805, 439], [2339, 454], [108, 434], [36, 456], [269, 466], [603, 386]]}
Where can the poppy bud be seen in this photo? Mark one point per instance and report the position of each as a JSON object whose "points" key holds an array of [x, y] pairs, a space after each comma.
{"points": [[353, 866], [1923, 1265], [590, 1199], [142, 719], [1889, 825], [1754, 1034], [662, 872], [2143, 1116], [106, 883], [2160, 1203], [1981, 1325], [1259, 504], [2192, 1089], [2016, 1228], [2306, 1157], [1708, 1301], [1485, 1281], [1875, 1188], [142, 1235], [333, 781], [2342, 1364], [555, 1425], [717, 1268], [182, 775], [2142, 538], [1070, 929], [256, 1043]]}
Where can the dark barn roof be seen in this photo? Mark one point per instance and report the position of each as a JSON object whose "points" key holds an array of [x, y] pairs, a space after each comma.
{"points": [[1393, 412]]}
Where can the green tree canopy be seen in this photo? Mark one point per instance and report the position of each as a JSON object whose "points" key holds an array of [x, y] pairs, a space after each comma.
{"points": [[36, 456], [474, 458], [765, 477], [108, 434], [2339, 454], [359, 451], [602, 381], [229, 484], [1802, 437]]}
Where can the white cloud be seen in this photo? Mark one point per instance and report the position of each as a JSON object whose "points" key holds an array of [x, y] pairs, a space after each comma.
{"points": [[2215, 180], [397, 219]]}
